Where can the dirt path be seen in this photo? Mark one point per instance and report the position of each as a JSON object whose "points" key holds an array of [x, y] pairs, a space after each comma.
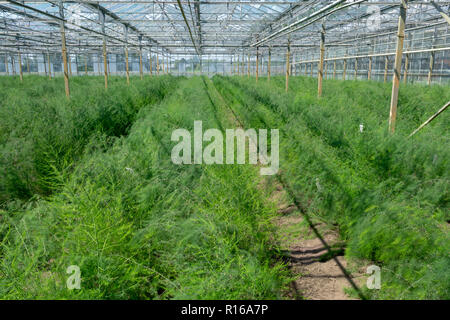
{"points": [[313, 252], [319, 269]]}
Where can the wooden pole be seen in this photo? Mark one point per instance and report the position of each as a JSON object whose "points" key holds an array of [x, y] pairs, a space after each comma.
{"points": [[238, 62], [322, 55], [105, 57], [248, 66], [141, 71], [49, 66], [430, 119], [325, 70], [70, 64], [369, 74], [356, 68], [430, 70], [405, 73], [257, 63], [232, 67], [157, 64], [151, 64], [334, 70], [397, 66], [20, 67], [268, 66], [345, 69], [127, 67], [386, 62], [13, 65], [64, 49], [288, 57], [45, 64], [6, 64]]}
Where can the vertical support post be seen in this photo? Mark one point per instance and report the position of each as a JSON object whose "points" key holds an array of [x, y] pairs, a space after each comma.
{"points": [[231, 65], [257, 63], [268, 66], [105, 57], [70, 64], [248, 66], [356, 68], [397, 65], [345, 69], [322, 54], [140, 58], [49, 66], [13, 65], [243, 64], [157, 63], [386, 62], [288, 57], [405, 72], [20, 66], [430, 70], [44, 64], [127, 67], [334, 70], [64, 49], [369, 74], [76, 63], [151, 63], [6, 64]]}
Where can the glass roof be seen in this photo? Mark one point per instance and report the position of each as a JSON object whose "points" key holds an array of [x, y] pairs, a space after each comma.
{"points": [[204, 27]]}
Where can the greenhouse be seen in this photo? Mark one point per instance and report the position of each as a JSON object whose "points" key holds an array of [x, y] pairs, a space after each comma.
{"points": [[224, 149]]}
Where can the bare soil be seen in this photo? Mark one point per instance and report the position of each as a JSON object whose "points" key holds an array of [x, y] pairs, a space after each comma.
{"points": [[317, 273]]}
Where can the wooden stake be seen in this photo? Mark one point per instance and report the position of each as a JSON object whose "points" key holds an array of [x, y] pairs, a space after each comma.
{"points": [[386, 62], [248, 66], [6, 64], [397, 66], [268, 66], [49, 66], [369, 74], [288, 56], [356, 68], [334, 70], [151, 64], [157, 64], [13, 65], [405, 73], [430, 119], [322, 55], [257, 63], [64, 49], [105, 56], [141, 71], [430, 70], [20, 67], [70, 65], [345, 69], [127, 67]]}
